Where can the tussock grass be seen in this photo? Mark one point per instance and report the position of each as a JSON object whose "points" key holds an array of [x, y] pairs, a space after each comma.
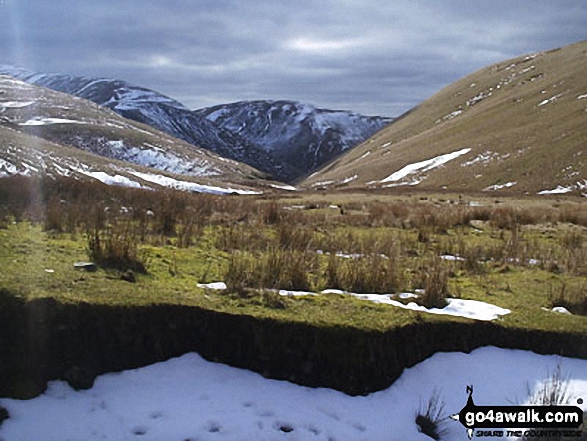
{"points": [[274, 269], [371, 273], [377, 245], [572, 296], [554, 391], [431, 415], [116, 247], [432, 276]]}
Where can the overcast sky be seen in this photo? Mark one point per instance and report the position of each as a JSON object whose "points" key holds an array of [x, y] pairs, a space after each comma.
{"points": [[371, 56]]}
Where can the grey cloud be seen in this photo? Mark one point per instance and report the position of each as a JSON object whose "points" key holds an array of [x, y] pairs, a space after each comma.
{"points": [[372, 56]]}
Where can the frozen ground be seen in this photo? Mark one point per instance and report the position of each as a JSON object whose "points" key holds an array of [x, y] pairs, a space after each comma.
{"points": [[188, 398]]}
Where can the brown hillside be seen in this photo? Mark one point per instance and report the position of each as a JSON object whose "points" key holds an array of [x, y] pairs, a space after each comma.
{"points": [[524, 121]]}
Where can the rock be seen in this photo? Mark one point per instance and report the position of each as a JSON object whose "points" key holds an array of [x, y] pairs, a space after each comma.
{"points": [[79, 378], [3, 415], [86, 266], [128, 276]]}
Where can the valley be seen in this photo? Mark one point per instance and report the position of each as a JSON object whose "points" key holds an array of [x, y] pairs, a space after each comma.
{"points": [[342, 253], [507, 273]]}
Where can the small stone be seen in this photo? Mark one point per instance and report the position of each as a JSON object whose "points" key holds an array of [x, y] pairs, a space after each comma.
{"points": [[128, 276], [86, 266], [79, 378]]}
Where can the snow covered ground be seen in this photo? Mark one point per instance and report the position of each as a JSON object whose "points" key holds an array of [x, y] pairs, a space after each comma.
{"points": [[188, 398]]}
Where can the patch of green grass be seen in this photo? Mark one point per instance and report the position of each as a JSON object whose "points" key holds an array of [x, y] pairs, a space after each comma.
{"points": [[37, 264]]}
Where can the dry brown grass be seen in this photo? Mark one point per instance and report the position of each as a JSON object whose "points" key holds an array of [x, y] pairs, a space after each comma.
{"points": [[509, 134], [116, 247], [572, 296]]}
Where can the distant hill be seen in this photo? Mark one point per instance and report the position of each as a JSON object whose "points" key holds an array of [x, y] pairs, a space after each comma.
{"points": [[300, 135], [158, 111], [48, 132], [519, 125], [284, 139]]}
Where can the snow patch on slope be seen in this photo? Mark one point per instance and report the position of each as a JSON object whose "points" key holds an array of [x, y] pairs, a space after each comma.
{"points": [[550, 100], [16, 104], [423, 166], [108, 179], [561, 189], [165, 181], [500, 186], [40, 121]]}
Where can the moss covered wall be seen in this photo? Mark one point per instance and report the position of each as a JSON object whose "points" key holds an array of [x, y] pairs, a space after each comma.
{"points": [[42, 340]]}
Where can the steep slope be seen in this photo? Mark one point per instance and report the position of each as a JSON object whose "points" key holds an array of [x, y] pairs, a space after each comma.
{"points": [[158, 111], [34, 119], [519, 125], [28, 155], [301, 135]]}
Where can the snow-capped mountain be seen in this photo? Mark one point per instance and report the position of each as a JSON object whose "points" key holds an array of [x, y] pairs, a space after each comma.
{"points": [[158, 111], [301, 135], [282, 138]]}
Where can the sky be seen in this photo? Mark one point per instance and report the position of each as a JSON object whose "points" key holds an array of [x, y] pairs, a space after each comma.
{"points": [[370, 56]]}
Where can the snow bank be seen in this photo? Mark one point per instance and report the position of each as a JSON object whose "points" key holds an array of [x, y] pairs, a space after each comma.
{"points": [[165, 181], [558, 190], [47, 121], [500, 186], [188, 398], [423, 166], [473, 309], [16, 104], [107, 179]]}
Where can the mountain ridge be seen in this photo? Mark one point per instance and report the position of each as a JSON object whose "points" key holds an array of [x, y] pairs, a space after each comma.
{"points": [[47, 132], [314, 135], [301, 150]]}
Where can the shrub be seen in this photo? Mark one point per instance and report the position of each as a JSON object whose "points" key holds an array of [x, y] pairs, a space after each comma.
{"points": [[116, 247], [371, 273], [430, 417], [433, 278], [572, 240], [552, 392], [294, 237], [271, 213], [273, 269], [573, 297]]}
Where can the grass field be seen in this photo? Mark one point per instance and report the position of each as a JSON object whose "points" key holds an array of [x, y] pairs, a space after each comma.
{"points": [[527, 256]]}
